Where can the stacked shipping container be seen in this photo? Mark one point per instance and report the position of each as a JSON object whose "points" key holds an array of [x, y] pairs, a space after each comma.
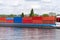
{"points": [[27, 20], [9, 20], [37, 20], [49, 20], [17, 19], [33, 20], [2, 19]]}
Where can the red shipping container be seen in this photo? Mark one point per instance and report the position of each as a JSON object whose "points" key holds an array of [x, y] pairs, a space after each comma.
{"points": [[27, 20], [48, 22], [37, 18], [49, 18], [2, 19], [37, 22], [9, 21]]}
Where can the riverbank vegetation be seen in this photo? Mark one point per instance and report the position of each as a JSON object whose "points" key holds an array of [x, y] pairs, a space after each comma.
{"points": [[31, 14]]}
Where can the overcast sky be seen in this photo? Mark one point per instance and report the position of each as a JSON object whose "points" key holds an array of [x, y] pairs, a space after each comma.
{"points": [[19, 6]]}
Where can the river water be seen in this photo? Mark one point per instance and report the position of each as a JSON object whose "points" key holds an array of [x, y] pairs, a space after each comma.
{"points": [[10, 33]]}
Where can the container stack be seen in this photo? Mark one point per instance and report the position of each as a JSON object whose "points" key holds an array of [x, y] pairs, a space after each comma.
{"points": [[9, 20], [27, 20], [17, 19], [37, 20], [30, 20], [2, 19], [49, 20]]}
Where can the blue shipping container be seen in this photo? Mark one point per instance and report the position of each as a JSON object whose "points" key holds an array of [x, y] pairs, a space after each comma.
{"points": [[17, 19], [9, 18]]}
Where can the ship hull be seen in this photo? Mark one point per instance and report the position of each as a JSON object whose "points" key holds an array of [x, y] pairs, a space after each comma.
{"points": [[25, 25]]}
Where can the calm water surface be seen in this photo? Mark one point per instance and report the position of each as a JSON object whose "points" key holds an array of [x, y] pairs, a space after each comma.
{"points": [[9, 33]]}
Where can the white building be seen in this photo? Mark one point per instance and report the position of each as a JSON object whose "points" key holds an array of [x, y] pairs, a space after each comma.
{"points": [[52, 14]]}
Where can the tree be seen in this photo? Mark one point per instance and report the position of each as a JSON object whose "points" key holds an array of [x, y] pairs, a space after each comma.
{"points": [[35, 14], [22, 15], [31, 13], [2, 15], [45, 15]]}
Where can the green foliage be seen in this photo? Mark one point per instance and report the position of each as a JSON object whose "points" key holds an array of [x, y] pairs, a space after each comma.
{"points": [[45, 15], [3, 15], [31, 13], [35, 14], [22, 15], [11, 15]]}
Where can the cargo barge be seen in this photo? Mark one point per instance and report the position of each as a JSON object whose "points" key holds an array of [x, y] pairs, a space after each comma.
{"points": [[34, 22], [20, 25]]}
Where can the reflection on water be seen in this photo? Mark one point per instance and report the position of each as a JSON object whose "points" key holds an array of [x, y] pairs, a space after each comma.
{"points": [[9, 33]]}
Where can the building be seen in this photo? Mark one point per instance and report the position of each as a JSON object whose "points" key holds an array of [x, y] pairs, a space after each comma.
{"points": [[52, 14]]}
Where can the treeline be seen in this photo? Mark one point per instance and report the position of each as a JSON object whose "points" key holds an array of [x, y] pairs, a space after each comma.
{"points": [[31, 14]]}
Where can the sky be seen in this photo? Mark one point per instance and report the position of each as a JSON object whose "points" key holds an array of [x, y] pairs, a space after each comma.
{"points": [[19, 6]]}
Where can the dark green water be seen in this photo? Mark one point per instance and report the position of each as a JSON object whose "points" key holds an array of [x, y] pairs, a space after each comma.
{"points": [[9, 33]]}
